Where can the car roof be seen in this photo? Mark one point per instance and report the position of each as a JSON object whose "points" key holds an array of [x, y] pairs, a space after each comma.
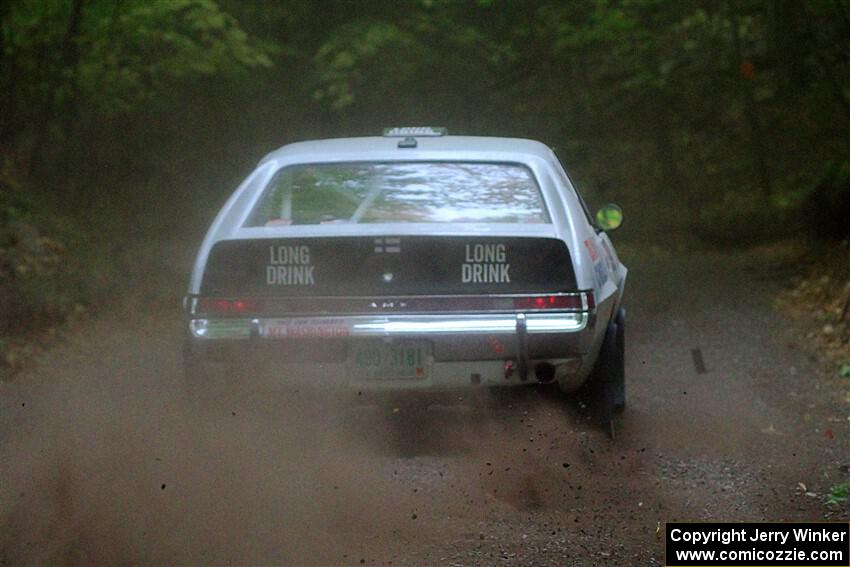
{"points": [[382, 146]]}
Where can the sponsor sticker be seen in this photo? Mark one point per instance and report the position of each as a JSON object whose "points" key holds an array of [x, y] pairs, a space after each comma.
{"points": [[289, 265], [387, 245], [609, 257], [600, 274], [485, 263], [591, 248], [305, 328]]}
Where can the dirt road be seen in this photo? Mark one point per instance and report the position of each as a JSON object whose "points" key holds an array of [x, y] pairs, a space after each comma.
{"points": [[101, 461]]}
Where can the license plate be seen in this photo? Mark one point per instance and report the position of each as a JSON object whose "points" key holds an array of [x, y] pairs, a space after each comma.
{"points": [[408, 360]]}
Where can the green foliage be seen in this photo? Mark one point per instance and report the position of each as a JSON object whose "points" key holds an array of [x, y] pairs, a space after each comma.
{"points": [[32, 263], [53, 267], [367, 63], [838, 494], [343, 59], [134, 49], [126, 52]]}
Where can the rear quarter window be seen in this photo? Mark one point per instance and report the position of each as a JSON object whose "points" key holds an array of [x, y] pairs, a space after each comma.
{"points": [[383, 192]]}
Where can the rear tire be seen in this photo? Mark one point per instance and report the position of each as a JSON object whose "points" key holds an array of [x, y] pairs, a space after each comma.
{"points": [[619, 380], [607, 381]]}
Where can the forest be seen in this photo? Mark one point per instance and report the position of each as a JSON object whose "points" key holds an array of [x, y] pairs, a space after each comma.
{"points": [[125, 124]]}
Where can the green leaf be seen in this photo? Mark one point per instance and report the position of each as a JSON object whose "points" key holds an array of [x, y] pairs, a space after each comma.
{"points": [[838, 494]]}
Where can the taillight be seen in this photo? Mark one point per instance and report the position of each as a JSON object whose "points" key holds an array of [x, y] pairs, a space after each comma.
{"points": [[575, 301], [228, 306], [578, 301], [244, 306]]}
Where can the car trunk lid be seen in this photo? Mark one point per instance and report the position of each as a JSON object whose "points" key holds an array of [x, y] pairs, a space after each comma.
{"points": [[387, 266]]}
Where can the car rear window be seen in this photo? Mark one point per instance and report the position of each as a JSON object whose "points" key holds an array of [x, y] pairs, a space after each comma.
{"points": [[429, 192]]}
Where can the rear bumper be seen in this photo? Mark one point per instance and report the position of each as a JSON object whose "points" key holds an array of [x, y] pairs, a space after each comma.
{"points": [[467, 348], [400, 326]]}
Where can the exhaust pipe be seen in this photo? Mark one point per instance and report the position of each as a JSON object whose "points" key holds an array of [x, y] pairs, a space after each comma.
{"points": [[545, 373]]}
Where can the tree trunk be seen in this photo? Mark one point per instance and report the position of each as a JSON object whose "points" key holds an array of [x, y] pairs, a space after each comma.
{"points": [[835, 86], [751, 112], [6, 84], [68, 60], [789, 41]]}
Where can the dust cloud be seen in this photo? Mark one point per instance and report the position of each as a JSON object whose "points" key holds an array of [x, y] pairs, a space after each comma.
{"points": [[106, 461]]}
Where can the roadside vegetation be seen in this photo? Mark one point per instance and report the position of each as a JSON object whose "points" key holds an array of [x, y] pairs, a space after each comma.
{"points": [[123, 125], [818, 299]]}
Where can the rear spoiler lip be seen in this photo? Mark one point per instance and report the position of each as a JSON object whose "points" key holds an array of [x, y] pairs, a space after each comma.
{"points": [[395, 304]]}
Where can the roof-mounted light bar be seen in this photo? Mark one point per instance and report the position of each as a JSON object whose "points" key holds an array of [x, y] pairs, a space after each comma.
{"points": [[420, 131]]}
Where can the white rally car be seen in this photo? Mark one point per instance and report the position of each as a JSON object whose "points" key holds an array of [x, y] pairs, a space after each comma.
{"points": [[412, 261]]}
